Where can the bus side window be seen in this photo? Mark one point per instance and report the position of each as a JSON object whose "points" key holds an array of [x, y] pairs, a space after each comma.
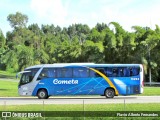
{"points": [[114, 72], [120, 72], [43, 74], [134, 71], [64, 72], [92, 73], [80, 72], [51, 73], [101, 70], [68, 73], [109, 72], [126, 72]]}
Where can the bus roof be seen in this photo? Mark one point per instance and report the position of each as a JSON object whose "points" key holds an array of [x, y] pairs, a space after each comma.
{"points": [[81, 64]]}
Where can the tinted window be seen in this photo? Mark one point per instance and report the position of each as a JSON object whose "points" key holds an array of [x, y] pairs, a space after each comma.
{"points": [[48, 73], [134, 71], [64, 72], [92, 73], [33, 71], [26, 78], [114, 72], [117, 71], [120, 72], [80, 72], [126, 72], [101, 70], [109, 72]]}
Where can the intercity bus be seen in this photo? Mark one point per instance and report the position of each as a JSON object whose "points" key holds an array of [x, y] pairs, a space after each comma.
{"points": [[81, 79]]}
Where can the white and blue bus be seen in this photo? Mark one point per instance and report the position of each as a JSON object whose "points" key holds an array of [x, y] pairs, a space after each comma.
{"points": [[81, 79]]}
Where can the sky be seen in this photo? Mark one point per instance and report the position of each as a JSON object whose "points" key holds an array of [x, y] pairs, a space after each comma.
{"points": [[63, 13]]}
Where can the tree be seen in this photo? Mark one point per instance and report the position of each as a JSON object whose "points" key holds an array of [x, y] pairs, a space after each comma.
{"points": [[25, 46], [2, 49], [2, 40], [94, 35], [100, 27], [24, 56], [17, 20], [11, 61], [93, 52]]}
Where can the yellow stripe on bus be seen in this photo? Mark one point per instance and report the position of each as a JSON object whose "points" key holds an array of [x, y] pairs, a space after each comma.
{"points": [[107, 79]]}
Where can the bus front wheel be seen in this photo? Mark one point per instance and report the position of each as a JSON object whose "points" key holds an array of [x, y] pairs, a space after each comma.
{"points": [[42, 94], [109, 93]]}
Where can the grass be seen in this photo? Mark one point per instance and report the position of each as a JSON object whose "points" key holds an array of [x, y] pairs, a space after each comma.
{"points": [[150, 91], [8, 75], [10, 89], [86, 107], [72, 109]]}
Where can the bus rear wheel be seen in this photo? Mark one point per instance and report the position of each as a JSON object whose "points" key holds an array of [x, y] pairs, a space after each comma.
{"points": [[109, 93], [42, 94]]}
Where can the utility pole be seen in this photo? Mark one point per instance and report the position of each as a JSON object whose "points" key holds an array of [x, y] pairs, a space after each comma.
{"points": [[149, 65], [149, 57]]}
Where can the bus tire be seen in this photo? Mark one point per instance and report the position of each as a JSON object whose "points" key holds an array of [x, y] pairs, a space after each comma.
{"points": [[42, 94], [109, 93]]}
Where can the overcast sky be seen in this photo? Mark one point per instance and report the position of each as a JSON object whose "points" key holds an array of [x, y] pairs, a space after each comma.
{"points": [[66, 12]]}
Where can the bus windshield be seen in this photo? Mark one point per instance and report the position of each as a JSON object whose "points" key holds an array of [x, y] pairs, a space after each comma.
{"points": [[28, 76]]}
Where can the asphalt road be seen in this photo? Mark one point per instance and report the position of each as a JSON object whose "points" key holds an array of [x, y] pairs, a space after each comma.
{"points": [[78, 100]]}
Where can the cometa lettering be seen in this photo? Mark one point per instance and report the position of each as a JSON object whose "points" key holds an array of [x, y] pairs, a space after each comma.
{"points": [[56, 81]]}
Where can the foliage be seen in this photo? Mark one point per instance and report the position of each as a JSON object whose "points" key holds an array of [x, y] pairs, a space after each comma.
{"points": [[17, 20], [25, 46]]}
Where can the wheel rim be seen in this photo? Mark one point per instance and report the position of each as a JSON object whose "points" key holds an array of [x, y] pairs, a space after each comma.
{"points": [[42, 94], [109, 93]]}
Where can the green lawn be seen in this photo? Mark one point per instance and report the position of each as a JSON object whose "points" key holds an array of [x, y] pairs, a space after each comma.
{"points": [[8, 88], [85, 107], [5, 74], [86, 110], [149, 91]]}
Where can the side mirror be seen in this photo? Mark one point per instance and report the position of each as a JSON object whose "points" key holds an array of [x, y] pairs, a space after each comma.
{"points": [[17, 76]]}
